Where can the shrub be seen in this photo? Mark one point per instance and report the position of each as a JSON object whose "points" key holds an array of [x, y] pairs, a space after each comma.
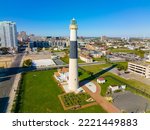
{"points": [[27, 63]]}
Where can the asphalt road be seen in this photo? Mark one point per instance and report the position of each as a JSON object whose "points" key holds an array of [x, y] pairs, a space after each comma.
{"points": [[7, 82], [16, 70]]}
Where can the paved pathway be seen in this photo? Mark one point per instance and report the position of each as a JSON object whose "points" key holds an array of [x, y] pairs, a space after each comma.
{"points": [[14, 85], [101, 100]]}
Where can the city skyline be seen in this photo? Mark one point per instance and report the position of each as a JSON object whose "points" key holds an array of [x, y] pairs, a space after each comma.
{"points": [[100, 17]]}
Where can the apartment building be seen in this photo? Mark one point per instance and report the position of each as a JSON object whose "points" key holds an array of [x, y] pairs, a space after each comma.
{"points": [[141, 68]]}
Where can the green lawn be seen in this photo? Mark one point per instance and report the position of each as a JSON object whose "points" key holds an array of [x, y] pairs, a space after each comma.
{"points": [[100, 59], [96, 68], [80, 61], [40, 91], [122, 50], [40, 94], [109, 81], [123, 65], [112, 79], [133, 83], [65, 59], [140, 85], [82, 74]]}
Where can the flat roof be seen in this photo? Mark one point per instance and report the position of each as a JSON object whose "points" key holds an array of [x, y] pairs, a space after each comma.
{"points": [[43, 62], [143, 63], [113, 86]]}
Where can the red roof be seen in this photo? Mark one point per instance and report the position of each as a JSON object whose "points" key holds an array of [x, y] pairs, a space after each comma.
{"points": [[101, 79], [56, 74], [63, 70]]}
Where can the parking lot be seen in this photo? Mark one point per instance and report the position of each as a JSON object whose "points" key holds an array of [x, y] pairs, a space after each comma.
{"points": [[131, 103]]}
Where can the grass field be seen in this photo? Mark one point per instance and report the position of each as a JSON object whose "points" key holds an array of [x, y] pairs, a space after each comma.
{"points": [[109, 81], [40, 90], [123, 65], [112, 79], [122, 50], [133, 83], [96, 68], [100, 59], [40, 94], [82, 74], [140, 85], [65, 59]]}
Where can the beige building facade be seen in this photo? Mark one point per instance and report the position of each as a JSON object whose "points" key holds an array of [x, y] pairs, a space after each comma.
{"points": [[141, 68]]}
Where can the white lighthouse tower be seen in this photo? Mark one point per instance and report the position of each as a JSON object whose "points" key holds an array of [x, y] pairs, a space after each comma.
{"points": [[73, 60]]}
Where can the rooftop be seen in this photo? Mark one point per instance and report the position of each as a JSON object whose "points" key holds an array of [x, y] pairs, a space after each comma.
{"points": [[143, 63], [73, 22], [113, 86], [56, 74], [85, 56], [63, 70], [7, 22], [101, 79]]}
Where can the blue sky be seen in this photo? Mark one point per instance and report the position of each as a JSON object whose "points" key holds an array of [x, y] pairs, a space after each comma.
{"points": [[94, 17]]}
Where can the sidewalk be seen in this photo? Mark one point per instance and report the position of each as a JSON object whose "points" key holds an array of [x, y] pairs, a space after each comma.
{"points": [[101, 100]]}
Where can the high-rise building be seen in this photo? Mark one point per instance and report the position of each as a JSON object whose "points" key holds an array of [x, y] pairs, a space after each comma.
{"points": [[73, 60], [8, 34]]}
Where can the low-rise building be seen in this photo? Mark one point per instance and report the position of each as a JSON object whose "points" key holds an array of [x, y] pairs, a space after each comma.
{"points": [[62, 75], [147, 58], [114, 88], [123, 87], [117, 59], [141, 68], [96, 54], [85, 58], [101, 80], [92, 46], [43, 63]]}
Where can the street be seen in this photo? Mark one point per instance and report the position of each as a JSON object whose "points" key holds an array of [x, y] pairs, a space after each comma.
{"points": [[6, 83]]}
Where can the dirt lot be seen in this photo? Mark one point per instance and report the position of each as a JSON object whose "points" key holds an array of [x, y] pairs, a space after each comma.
{"points": [[37, 56], [5, 61]]}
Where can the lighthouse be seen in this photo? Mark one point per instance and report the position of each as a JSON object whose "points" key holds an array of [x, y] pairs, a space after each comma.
{"points": [[73, 59]]}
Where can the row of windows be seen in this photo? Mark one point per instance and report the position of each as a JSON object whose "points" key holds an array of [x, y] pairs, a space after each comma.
{"points": [[138, 72], [137, 69], [137, 66]]}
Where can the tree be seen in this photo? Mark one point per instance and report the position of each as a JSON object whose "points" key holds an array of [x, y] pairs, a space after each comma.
{"points": [[27, 63], [4, 50], [122, 67]]}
